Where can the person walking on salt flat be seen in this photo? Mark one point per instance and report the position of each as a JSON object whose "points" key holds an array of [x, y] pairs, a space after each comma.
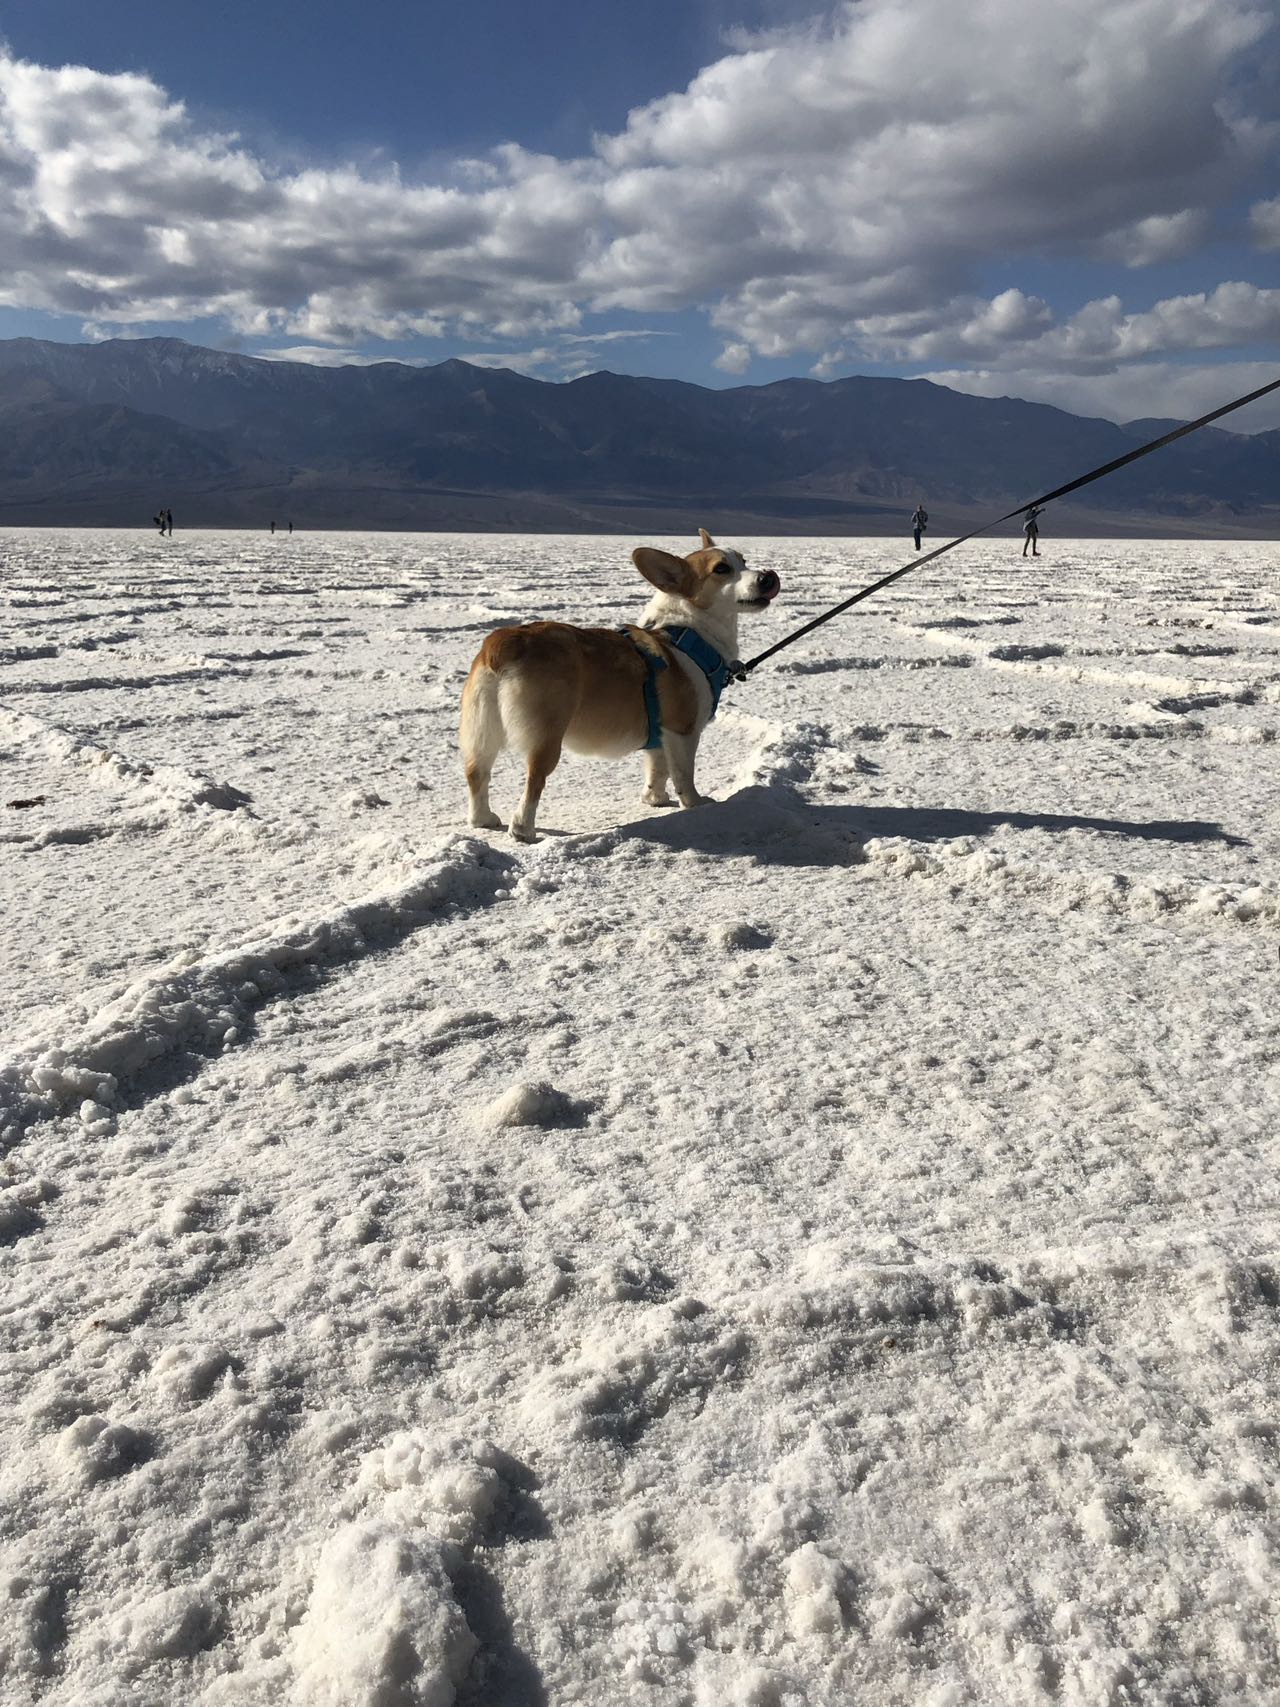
{"points": [[1031, 529], [919, 522]]}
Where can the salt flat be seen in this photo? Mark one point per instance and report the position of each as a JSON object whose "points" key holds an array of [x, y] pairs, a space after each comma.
{"points": [[818, 1248]]}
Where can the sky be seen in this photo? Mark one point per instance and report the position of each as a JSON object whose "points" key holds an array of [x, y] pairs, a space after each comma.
{"points": [[1078, 204]]}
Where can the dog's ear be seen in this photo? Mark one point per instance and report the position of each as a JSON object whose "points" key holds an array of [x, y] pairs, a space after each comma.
{"points": [[666, 572], [706, 539]]}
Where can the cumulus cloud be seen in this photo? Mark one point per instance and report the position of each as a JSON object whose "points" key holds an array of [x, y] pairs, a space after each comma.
{"points": [[829, 189], [965, 326], [1102, 334], [1016, 331], [734, 358]]}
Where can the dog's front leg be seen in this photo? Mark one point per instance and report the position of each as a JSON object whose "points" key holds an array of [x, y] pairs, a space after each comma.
{"points": [[681, 751], [655, 778]]}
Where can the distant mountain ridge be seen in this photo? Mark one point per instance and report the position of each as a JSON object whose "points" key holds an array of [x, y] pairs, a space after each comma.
{"points": [[103, 433]]}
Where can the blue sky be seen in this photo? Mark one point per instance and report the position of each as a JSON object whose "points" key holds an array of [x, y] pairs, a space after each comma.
{"points": [[1085, 213], [410, 79]]}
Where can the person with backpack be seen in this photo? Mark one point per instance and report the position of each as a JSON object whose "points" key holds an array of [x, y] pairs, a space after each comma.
{"points": [[919, 522]]}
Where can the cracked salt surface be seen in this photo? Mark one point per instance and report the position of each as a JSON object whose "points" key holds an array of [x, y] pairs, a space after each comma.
{"points": [[815, 1248]]}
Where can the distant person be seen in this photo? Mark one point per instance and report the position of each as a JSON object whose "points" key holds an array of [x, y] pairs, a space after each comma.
{"points": [[273, 524], [919, 523], [158, 519], [1031, 529], [290, 527], [168, 523]]}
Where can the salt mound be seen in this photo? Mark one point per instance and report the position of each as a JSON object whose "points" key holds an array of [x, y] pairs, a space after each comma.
{"points": [[382, 1628], [537, 1104]]}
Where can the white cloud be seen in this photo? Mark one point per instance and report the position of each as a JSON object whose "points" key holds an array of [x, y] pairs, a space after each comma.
{"points": [[1264, 219], [326, 355], [532, 362], [565, 356], [614, 337], [1147, 388], [826, 188], [862, 168], [1013, 332], [1235, 313], [568, 356], [828, 364], [1160, 237], [965, 326], [734, 358]]}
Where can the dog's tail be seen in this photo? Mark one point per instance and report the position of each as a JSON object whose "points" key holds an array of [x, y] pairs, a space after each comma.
{"points": [[482, 735]]}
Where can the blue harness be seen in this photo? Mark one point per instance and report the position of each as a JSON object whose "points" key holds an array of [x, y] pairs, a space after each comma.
{"points": [[717, 670], [687, 640]]}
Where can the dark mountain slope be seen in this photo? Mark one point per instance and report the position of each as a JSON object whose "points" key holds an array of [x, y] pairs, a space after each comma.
{"points": [[92, 430]]}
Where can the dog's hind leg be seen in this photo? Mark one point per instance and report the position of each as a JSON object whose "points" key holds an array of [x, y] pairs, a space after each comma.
{"points": [[482, 738], [655, 778], [537, 708], [540, 761]]}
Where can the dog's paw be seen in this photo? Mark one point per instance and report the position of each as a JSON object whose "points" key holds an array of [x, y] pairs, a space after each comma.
{"points": [[651, 798], [520, 834], [485, 821], [698, 800]]}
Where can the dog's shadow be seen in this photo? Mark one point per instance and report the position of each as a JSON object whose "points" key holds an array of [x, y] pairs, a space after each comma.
{"points": [[777, 827]]}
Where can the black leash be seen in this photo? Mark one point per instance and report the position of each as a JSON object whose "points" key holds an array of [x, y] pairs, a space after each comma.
{"points": [[740, 670]]}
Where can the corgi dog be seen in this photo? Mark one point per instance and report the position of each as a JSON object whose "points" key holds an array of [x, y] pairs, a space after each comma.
{"points": [[651, 686]]}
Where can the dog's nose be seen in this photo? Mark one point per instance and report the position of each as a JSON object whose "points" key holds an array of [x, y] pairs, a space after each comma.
{"points": [[770, 585]]}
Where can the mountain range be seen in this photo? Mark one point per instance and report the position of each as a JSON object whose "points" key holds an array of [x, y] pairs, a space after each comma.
{"points": [[106, 433]]}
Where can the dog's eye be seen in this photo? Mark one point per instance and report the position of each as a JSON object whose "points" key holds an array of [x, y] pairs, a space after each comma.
{"points": [[724, 568]]}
